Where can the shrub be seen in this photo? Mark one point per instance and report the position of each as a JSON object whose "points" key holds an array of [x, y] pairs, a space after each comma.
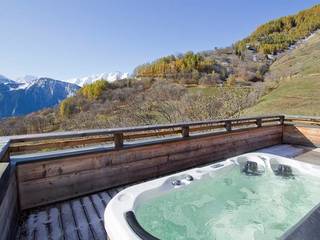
{"points": [[94, 90], [66, 108]]}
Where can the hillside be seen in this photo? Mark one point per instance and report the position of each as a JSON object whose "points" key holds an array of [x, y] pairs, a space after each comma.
{"points": [[213, 67], [297, 77], [279, 34], [245, 79]]}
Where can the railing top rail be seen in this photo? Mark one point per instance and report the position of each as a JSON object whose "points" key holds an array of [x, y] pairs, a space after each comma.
{"points": [[298, 117], [97, 132]]}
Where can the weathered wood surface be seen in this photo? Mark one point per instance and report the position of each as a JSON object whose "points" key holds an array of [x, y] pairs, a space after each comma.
{"points": [[302, 135], [78, 219], [9, 211], [43, 182], [302, 120], [39, 146]]}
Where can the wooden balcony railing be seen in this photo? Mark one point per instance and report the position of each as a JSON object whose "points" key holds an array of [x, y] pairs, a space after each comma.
{"points": [[302, 130], [302, 120], [118, 136]]}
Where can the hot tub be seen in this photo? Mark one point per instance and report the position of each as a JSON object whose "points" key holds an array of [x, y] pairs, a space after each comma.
{"points": [[252, 196]]}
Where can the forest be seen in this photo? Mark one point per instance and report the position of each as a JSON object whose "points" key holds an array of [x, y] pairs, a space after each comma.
{"points": [[278, 35]]}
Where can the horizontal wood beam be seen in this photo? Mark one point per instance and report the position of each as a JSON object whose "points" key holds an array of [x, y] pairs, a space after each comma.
{"points": [[34, 146]]}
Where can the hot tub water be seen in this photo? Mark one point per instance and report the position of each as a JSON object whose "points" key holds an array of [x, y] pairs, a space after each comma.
{"points": [[231, 205]]}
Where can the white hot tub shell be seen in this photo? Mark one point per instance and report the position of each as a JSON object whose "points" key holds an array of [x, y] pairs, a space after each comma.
{"points": [[115, 216]]}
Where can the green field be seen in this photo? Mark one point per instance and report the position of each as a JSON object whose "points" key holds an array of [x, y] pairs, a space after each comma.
{"points": [[298, 91]]}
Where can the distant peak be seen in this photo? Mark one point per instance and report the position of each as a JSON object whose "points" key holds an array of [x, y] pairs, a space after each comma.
{"points": [[110, 77], [27, 79], [4, 79]]}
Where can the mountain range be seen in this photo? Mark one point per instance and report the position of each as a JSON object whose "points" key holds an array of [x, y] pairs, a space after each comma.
{"points": [[110, 77], [29, 93]]}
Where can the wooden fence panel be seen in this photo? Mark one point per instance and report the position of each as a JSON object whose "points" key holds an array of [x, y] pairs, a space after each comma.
{"points": [[43, 182], [9, 211]]}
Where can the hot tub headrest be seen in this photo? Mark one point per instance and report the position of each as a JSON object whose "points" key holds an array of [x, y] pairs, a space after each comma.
{"points": [[251, 164]]}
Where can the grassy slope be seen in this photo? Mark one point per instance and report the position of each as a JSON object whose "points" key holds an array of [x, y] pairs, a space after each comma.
{"points": [[299, 89]]}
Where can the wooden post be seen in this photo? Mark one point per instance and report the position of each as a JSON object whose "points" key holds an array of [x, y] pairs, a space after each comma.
{"points": [[282, 124], [228, 126], [259, 122], [185, 131], [118, 140]]}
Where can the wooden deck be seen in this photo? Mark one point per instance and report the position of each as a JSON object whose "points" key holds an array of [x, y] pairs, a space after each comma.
{"points": [[82, 218]]}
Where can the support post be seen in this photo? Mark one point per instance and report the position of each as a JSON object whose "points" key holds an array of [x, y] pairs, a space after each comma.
{"points": [[228, 126], [118, 140], [281, 120], [282, 124], [185, 131], [259, 122]]}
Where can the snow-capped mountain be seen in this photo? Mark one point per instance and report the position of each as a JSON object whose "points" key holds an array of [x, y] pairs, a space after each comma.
{"points": [[110, 77], [5, 80], [28, 94], [26, 80]]}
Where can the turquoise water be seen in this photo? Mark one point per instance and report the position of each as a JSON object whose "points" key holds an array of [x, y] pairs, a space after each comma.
{"points": [[230, 206]]}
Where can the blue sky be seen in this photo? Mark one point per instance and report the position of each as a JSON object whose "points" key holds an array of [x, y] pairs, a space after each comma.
{"points": [[72, 38]]}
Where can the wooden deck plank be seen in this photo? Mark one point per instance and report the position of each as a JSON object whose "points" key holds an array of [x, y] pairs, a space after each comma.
{"points": [[42, 225], [98, 205], [70, 231], [55, 225], [78, 219], [81, 220], [105, 197], [112, 192], [31, 227], [96, 223]]}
